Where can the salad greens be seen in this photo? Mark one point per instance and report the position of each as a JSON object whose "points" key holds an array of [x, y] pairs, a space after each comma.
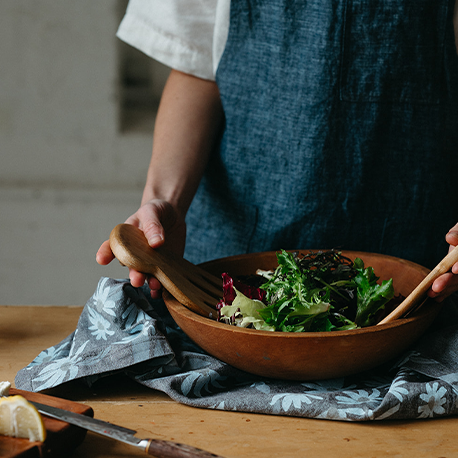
{"points": [[322, 291], [246, 312]]}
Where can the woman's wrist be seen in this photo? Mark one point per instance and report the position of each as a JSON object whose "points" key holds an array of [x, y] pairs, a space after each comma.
{"points": [[168, 197]]}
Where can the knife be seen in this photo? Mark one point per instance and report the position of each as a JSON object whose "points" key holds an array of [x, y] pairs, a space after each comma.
{"points": [[156, 447]]}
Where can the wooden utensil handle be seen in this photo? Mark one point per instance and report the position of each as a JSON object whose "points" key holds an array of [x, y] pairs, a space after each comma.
{"points": [[420, 291], [169, 449]]}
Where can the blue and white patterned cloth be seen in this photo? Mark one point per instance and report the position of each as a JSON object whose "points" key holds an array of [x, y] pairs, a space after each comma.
{"points": [[121, 330]]}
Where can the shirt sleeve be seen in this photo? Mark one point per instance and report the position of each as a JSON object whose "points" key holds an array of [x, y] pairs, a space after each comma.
{"points": [[177, 33]]}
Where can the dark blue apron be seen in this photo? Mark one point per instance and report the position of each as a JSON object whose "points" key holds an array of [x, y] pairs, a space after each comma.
{"points": [[341, 131]]}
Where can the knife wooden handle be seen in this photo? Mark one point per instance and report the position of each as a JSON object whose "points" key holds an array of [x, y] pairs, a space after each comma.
{"points": [[169, 449]]}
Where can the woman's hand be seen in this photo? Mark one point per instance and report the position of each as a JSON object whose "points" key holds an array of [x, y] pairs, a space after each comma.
{"points": [[448, 283], [161, 225]]}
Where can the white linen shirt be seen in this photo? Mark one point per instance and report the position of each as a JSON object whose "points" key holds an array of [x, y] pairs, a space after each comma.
{"points": [[186, 35]]}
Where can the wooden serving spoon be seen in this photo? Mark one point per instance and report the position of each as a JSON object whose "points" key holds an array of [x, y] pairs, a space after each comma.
{"points": [[194, 287], [419, 293]]}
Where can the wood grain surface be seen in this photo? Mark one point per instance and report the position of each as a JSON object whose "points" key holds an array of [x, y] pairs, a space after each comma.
{"points": [[26, 330]]}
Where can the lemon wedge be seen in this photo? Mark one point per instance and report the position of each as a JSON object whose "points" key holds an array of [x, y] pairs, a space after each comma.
{"points": [[5, 388], [19, 418]]}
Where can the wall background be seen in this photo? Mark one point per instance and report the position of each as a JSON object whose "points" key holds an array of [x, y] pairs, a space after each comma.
{"points": [[75, 141]]}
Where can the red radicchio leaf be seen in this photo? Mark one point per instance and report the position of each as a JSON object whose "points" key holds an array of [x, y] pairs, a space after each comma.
{"points": [[230, 283]]}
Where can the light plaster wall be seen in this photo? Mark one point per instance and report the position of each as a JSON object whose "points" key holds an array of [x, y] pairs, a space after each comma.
{"points": [[67, 175]]}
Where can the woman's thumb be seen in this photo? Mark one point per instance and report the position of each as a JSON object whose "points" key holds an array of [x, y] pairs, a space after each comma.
{"points": [[154, 233]]}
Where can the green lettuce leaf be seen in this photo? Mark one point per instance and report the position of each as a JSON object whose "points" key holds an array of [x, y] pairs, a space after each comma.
{"points": [[246, 312], [371, 296]]}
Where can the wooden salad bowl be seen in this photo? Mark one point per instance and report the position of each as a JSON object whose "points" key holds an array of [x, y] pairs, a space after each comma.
{"points": [[308, 355]]}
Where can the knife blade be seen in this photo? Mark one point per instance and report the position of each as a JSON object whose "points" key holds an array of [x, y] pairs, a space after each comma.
{"points": [[157, 447]]}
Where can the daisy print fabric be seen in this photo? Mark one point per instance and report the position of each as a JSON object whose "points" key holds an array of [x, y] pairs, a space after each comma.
{"points": [[122, 330]]}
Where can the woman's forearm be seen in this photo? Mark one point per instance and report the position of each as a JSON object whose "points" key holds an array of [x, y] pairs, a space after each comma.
{"points": [[188, 125]]}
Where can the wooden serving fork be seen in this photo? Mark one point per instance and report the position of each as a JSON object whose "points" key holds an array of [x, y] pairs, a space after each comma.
{"points": [[194, 287]]}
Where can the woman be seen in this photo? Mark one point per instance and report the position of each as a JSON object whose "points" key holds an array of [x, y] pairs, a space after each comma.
{"points": [[289, 124]]}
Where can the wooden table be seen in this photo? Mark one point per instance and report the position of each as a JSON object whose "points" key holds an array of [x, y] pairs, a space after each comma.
{"points": [[26, 330]]}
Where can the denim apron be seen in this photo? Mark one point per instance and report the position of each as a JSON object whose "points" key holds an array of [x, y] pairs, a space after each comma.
{"points": [[341, 131]]}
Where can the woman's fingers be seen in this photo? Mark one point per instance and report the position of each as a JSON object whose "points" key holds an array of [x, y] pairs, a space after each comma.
{"points": [[448, 283], [155, 287], [137, 279], [452, 236], [443, 286], [104, 255]]}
